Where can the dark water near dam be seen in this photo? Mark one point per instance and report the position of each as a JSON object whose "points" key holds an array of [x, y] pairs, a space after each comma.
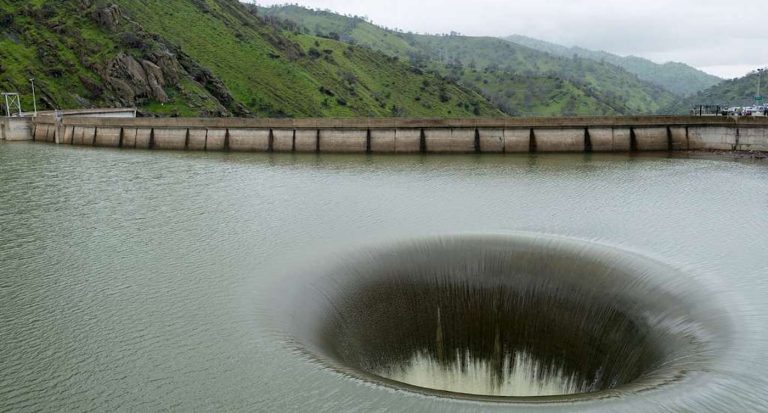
{"points": [[137, 280]]}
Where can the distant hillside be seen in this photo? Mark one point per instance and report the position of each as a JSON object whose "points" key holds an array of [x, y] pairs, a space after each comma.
{"points": [[517, 79], [206, 58], [679, 78], [735, 92]]}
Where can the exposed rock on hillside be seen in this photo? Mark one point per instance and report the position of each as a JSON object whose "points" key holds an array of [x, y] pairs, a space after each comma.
{"points": [[129, 79], [108, 17]]}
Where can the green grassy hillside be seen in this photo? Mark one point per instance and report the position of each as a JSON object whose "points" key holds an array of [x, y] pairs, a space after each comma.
{"points": [[678, 78], [592, 87], [207, 57]]}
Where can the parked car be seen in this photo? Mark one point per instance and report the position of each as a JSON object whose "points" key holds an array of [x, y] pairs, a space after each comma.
{"points": [[755, 111]]}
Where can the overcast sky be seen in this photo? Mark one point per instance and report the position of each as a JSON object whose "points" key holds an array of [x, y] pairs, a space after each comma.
{"points": [[725, 38]]}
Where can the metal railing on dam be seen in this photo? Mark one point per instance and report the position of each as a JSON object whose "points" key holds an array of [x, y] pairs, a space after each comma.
{"points": [[506, 135]]}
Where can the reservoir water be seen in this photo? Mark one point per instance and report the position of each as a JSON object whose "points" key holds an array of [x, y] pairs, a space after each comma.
{"points": [[138, 280]]}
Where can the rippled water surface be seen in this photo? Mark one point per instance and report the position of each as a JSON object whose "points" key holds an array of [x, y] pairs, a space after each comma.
{"points": [[140, 280]]}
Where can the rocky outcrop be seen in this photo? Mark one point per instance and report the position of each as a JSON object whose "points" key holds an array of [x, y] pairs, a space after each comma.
{"points": [[155, 80], [169, 65], [108, 17], [133, 81]]}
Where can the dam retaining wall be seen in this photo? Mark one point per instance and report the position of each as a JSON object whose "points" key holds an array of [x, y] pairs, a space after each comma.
{"points": [[22, 128], [15, 129], [512, 135]]}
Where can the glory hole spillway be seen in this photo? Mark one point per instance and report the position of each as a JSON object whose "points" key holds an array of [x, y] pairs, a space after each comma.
{"points": [[509, 319], [580, 265]]}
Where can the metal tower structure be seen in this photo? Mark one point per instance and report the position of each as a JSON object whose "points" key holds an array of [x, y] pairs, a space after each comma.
{"points": [[11, 101]]}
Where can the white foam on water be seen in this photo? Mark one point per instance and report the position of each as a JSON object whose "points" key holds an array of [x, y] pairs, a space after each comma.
{"points": [[521, 376]]}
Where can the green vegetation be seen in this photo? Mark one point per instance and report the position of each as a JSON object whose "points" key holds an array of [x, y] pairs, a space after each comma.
{"points": [[207, 57], [517, 79], [38, 42], [224, 58], [678, 78], [539, 95], [735, 92]]}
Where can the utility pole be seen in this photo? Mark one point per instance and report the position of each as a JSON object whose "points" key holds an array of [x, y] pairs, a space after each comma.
{"points": [[34, 98], [758, 96]]}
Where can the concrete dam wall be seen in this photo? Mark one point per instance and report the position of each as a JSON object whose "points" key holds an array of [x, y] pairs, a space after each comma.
{"points": [[15, 129], [513, 135], [21, 128]]}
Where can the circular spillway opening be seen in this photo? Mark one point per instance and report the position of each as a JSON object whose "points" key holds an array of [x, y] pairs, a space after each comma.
{"points": [[496, 339], [511, 318]]}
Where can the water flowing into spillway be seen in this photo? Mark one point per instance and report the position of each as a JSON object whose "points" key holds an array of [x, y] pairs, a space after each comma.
{"points": [[519, 375], [521, 316]]}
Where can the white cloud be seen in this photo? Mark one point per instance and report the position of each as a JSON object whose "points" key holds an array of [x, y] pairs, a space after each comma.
{"points": [[720, 37]]}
